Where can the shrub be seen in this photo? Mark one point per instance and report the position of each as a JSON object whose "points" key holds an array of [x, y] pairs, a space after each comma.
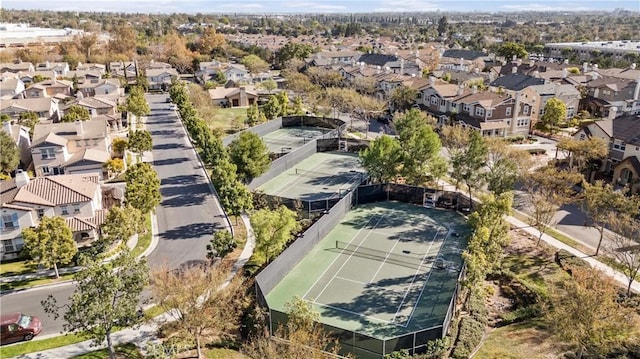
{"points": [[471, 332], [537, 151], [521, 314], [567, 261]]}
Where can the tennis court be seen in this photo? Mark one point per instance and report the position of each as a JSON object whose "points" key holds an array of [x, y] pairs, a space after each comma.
{"points": [[320, 176], [287, 139], [388, 270]]}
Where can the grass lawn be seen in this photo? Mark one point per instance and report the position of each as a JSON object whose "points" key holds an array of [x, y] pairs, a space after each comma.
{"points": [[129, 351], [15, 268], [227, 119], [520, 340], [222, 353], [33, 282], [144, 241], [39, 345]]}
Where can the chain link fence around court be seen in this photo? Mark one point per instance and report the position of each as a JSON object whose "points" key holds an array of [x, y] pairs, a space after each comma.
{"points": [[422, 196]]}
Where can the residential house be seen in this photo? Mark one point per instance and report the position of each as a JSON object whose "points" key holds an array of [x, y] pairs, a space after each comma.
{"points": [[71, 147], [514, 83], [81, 76], [16, 67], [236, 73], [89, 67], [610, 94], [623, 135], [49, 88], [391, 64], [325, 58], [24, 201], [233, 97], [32, 76], [94, 87], [160, 79], [99, 105], [60, 68], [539, 95], [20, 135], [158, 65], [464, 60], [45, 107], [10, 87], [124, 69]]}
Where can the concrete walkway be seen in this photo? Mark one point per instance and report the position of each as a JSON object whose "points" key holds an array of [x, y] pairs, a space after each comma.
{"points": [[147, 332]]}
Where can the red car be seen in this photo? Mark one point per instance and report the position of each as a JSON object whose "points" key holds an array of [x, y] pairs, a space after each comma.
{"points": [[16, 327]]}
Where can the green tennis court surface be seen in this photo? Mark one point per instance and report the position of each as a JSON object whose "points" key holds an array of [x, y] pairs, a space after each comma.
{"points": [[386, 270], [289, 138], [321, 175]]}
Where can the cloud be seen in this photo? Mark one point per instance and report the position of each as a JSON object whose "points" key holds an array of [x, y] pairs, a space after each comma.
{"points": [[408, 6], [544, 7], [317, 6]]}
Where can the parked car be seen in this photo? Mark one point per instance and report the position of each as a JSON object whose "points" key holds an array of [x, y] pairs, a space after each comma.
{"points": [[17, 327], [173, 107], [168, 100]]}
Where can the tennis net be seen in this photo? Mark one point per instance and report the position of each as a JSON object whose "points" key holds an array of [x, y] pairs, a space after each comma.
{"points": [[347, 175], [413, 261]]}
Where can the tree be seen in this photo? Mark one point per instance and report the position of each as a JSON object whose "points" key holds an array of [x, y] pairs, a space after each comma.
{"points": [[210, 41], [585, 312], [234, 195], [143, 187], [222, 244], [582, 153], [10, 158], [269, 85], [455, 139], [105, 297], [555, 111], [505, 165], [304, 337], [123, 41], [121, 224], [50, 243], [382, 159], [624, 246], [202, 302], [324, 77], [114, 165], [140, 141], [118, 145], [177, 53], [442, 26], [468, 164], [600, 201], [292, 50], [214, 152], [511, 49], [402, 98], [272, 107], [136, 103], [419, 144], [250, 154], [76, 113], [253, 115], [255, 64], [273, 230]]}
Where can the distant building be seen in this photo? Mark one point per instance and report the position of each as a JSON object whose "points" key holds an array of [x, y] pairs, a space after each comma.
{"points": [[588, 50]]}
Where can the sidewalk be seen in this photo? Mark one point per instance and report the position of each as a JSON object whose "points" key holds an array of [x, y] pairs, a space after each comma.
{"points": [[147, 332]]}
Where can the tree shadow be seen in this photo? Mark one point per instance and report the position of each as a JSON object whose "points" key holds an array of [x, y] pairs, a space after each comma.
{"points": [[189, 231], [170, 161], [168, 146], [190, 190], [184, 201], [181, 180]]}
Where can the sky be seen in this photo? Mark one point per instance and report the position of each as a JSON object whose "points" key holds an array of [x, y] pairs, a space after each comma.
{"points": [[318, 6]]}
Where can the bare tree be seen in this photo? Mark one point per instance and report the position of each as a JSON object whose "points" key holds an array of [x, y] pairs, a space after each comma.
{"points": [[624, 245]]}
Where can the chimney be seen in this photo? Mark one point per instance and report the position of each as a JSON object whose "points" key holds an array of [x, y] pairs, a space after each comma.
{"points": [[8, 128], [378, 70], [474, 89], [362, 65], [519, 62], [432, 80], [476, 71], [636, 93], [514, 58], [566, 61], [22, 178], [541, 58], [595, 66], [491, 77], [460, 90], [633, 66], [613, 111], [516, 109], [417, 53], [514, 69], [79, 128], [387, 69], [536, 74], [461, 63], [585, 67], [565, 73], [401, 66]]}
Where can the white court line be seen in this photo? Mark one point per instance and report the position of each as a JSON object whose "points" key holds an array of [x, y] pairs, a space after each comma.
{"points": [[354, 313], [347, 261], [415, 275], [384, 261], [296, 181], [425, 283], [369, 285], [336, 258]]}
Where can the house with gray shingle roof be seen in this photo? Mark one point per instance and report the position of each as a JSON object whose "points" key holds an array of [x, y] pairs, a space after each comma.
{"points": [[623, 136], [24, 201]]}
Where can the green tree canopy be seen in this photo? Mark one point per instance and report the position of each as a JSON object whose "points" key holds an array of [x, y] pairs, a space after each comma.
{"points": [[382, 159], [510, 49], [140, 141], [76, 113], [468, 164], [402, 98], [273, 230], [255, 64], [118, 145], [143, 187], [105, 297], [555, 111], [10, 158], [121, 224], [222, 244], [420, 147], [250, 154], [234, 195], [50, 243], [136, 103]]}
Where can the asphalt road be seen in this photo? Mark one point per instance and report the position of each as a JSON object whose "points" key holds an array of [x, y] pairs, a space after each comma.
{"points": [[187, 214]]}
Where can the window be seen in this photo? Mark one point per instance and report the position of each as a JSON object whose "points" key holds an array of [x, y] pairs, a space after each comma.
{"points": [[443, 102], [489, 113], [570, 112], [467, 108], [76, 208], [10, 222], [508, 113], [522, 122], [45, 170], [479, 111], [48, 153], [526, 110], [64, 209], [621, 146], [40, 213], [434, 100], [583, 137]]}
